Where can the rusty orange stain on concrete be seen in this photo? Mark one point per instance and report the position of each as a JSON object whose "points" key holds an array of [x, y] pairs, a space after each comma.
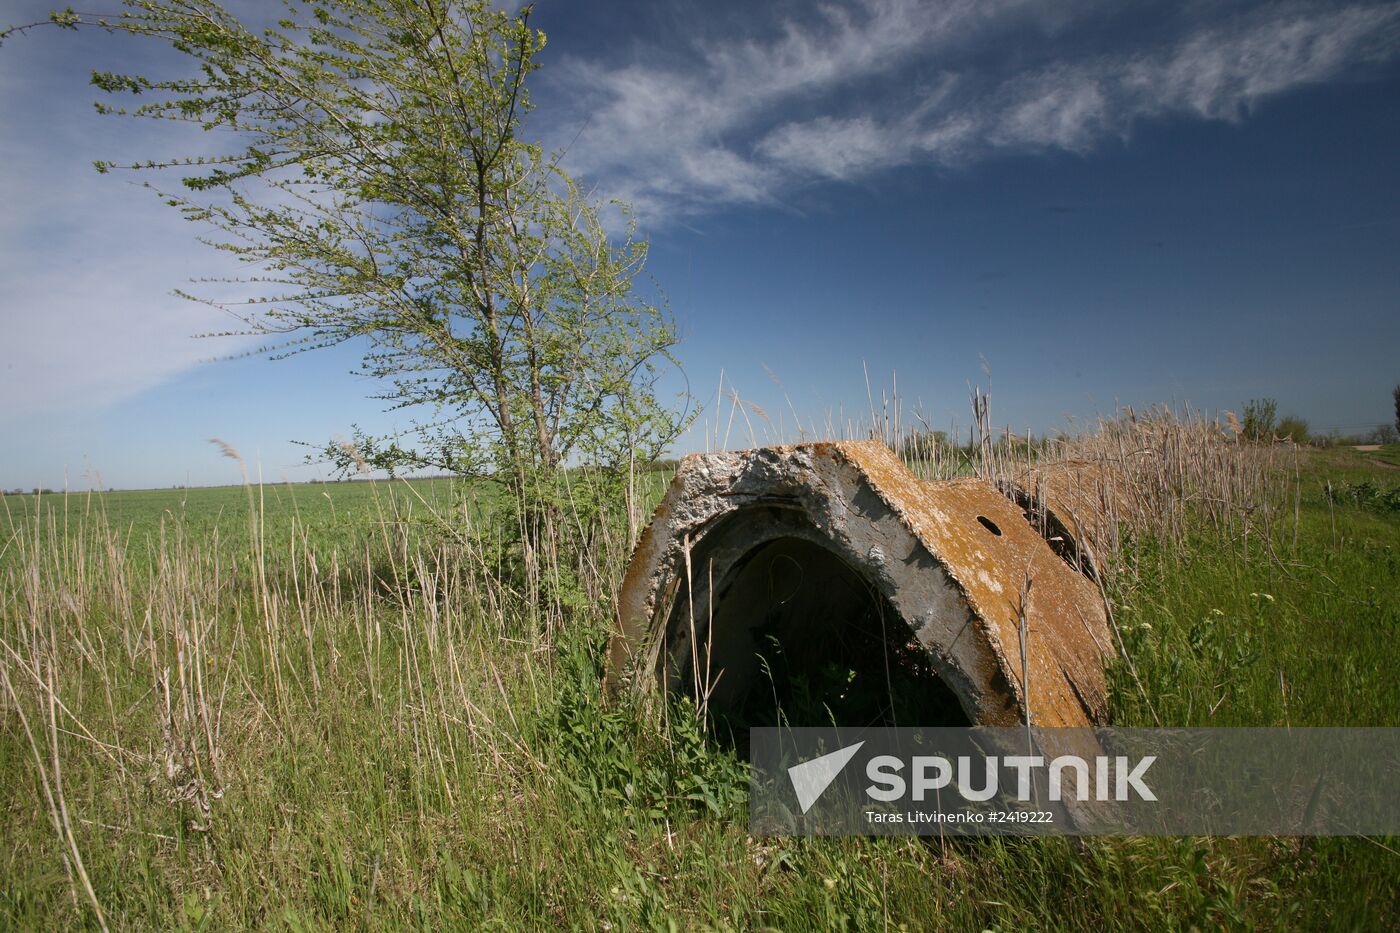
{"points": [[1067, 633]]}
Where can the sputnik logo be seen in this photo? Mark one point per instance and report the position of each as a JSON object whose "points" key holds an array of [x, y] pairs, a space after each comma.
{"points": [[811, 778]]}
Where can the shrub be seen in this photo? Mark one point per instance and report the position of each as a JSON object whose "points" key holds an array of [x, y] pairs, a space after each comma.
{"points": [[1260, 418], [1368, 495], [1293, 428]]}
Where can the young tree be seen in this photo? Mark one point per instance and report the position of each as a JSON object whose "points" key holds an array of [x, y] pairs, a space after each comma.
{"points": [[1260, 419], [380, 186], [1396, 395]]}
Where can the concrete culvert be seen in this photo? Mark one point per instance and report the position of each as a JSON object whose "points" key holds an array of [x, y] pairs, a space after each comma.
{"points": [[1075, 505], [825, 578]]}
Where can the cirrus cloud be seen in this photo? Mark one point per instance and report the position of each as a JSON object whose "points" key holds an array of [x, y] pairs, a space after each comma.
{"points": [[857, 88]]}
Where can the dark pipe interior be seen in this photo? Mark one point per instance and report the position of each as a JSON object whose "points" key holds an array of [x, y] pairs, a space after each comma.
{"points": [[802, 639]]}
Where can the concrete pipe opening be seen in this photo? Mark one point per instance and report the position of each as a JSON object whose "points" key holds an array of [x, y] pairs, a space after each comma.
{"points": [[827, 582], [784, 631]]}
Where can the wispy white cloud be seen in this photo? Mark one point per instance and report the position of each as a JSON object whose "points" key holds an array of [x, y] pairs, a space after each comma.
{"points": [[833, 147], [88, 262], [86, 337], [87, 311], [666, 136], [1218, 71], [880, 83]]}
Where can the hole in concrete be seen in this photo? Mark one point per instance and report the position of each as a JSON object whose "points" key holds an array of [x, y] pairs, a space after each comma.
{"points": [[988, 524], [802, 639]]}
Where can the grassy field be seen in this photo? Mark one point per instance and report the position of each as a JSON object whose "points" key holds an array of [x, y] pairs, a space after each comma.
{"points": [[1388, 454], [326, 515], [216, 735]]}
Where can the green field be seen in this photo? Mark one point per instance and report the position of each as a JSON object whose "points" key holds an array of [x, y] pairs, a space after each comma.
{"points": [[326, 514], [1388, 453], [247, 737]]}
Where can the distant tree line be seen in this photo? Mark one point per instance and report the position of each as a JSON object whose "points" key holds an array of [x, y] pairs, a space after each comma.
{"points": [[1261, 424]]}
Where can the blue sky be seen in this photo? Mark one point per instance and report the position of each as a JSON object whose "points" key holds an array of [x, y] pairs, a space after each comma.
{"points": [[1110, 204]]}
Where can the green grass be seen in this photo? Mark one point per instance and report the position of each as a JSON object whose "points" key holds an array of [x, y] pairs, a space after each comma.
{"points": [[326, 514], [1389, 453], [1306, 637], [1349, 464], [421, 759]]}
